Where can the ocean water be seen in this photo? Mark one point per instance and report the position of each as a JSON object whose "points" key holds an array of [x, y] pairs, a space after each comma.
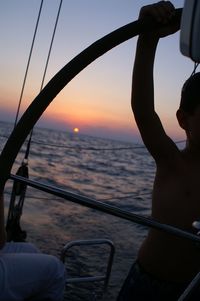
{"points": [[114, 172]]}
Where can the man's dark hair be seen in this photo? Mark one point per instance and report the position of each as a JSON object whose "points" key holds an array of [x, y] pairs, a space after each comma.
{"points": [[190, 95]]}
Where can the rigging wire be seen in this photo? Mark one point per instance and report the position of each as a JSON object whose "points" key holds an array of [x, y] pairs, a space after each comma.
{"points": [[13, 227], [51, 44], [28, 64], [14, 231], [45, 70]]}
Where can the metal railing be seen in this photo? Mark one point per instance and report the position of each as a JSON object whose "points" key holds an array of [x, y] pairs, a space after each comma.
{"points": [[90, 242]]}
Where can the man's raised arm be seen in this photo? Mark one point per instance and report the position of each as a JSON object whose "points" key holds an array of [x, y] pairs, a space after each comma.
{"points": [[142, 100]]}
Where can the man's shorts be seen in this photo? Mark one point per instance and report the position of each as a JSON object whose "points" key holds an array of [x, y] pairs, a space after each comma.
{"points": [[141, 286]]}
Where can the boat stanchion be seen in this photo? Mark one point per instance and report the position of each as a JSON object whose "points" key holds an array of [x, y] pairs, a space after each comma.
{"points": [[90, 242]]}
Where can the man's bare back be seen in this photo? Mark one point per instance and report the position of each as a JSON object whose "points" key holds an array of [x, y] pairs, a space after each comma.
{"points": [[175, 202]]}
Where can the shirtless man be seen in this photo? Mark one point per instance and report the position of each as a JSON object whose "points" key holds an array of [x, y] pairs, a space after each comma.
{"points": [[166, 264]]}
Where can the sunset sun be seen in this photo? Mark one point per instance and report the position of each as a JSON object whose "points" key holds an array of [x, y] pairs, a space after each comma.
{"points": [[76, 130]]}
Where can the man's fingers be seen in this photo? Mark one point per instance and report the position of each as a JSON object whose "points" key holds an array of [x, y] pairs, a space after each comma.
{"points": [[162, 11]]}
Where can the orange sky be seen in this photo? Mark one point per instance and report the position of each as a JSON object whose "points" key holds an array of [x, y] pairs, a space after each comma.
{"points": [[98, 100]]}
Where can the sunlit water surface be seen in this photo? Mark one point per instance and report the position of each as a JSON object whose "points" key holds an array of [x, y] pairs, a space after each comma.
{"points": [[117, 173]]}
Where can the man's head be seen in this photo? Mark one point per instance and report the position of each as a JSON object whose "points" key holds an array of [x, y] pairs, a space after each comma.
{"points": [[190, 95], [188, 114]]}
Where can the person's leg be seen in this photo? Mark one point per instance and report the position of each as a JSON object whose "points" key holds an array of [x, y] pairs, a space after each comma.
{"points": [[26, 276]]}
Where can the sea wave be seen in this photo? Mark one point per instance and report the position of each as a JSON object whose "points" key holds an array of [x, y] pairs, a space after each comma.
{"points": [[114, 172]]}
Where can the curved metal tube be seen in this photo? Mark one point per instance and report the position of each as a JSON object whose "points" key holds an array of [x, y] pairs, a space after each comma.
{"points": [[107, 208], [59, 81]]}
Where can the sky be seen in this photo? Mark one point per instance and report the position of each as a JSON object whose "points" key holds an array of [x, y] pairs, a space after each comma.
{"points": [[97, 101]]}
